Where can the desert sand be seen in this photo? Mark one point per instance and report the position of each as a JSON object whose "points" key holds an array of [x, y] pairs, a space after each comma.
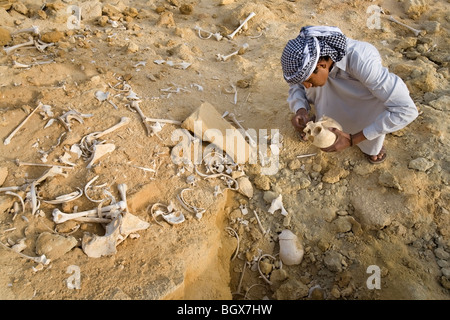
{"points": [[367, 232]]}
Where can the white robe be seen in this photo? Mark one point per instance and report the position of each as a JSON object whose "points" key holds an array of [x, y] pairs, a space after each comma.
{"points": [[360, 94]]}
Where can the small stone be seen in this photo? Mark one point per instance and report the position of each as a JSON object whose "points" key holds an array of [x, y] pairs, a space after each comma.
{"points": [[132, 47], [442, 104], [3, 175], [441, 254], [20, 8], [52, 36], [342, 224], [53, 246], [335, 174], [186, 9], [262, 182], [333, 261], [388, 180], [420, 164], [5, 36]]}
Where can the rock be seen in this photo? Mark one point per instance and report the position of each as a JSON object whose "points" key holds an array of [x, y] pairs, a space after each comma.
{"points": [[245, 186], [3, 175], [335, 174], [166, 19], [206, 123], [442, 104], [91, 10], [20, 8], [269, 196], [415, 8], [132, 47], [5, 36], [54, 246], [420, 164], [431, 27], [5, 18], [131, 12], [291, 290], [186, 9], [441, 254], [342, 224], [333, 261], [388, 180], [52, 36]]}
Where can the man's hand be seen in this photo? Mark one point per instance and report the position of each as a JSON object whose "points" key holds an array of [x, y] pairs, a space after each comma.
{"points": [[299, 121], [342, 141]]}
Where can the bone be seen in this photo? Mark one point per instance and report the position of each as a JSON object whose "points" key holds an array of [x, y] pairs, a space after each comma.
{"points": [[20, 163], [53, 171], [96, 135], [8, 139], [241, 50], [97, 246], [41, 259], [236, 122], [18, 196], [66, 197], [41, 46], [122, 187], [99, 151], [33, 30], [17, 46], [216, 35], [231, 35], [60, 217], [416, 32], [148, 127], [277, 204]]}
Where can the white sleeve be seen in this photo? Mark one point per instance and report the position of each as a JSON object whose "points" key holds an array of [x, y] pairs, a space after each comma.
{"points": [[387, 87], [297, 98]]}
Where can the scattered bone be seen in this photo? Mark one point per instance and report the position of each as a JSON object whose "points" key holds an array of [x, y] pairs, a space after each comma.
{"points": [[41, 46], [86, 187], [259, 223], [33, 197], [217, 191], [66, 197], [236, 122], [178, 65], [221, 57], [99, 151], [60, 217], [170, 214], [259, 269], [307, 155], [34, 30], [243, 24], [237, 247], [216, 35], [20, 163], [53, 171], [72, 114], [277, 204], [97, 135], [17, 46], [42, 259], [101, 96], [97, 246], [20, 198], [65, 159], [191, 208], [150, 129], [416, 32], [8, 139], [291, 249], [19, 246]]}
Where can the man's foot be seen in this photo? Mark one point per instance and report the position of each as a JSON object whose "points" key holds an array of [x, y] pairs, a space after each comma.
{"points": [[379, 158]]}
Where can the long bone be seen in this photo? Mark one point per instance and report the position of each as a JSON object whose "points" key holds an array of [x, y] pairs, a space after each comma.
{"points": [[20, 163], [236, 122], [231, 35], [17, 46], [60, 217], [221, 57], [416, 32], [217, 35], [135, 105], [8, 139], [33, 30], [96, 135], [122, 187]]}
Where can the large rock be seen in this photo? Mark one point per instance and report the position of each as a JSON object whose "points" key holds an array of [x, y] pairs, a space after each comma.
{"points": [[206, 123], [54, 246]]}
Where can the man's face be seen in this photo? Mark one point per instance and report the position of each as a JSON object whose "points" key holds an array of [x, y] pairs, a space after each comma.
{"points": [[319, 78]]}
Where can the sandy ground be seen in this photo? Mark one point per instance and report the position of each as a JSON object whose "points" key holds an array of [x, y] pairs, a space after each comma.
{"points": [[367, 232]]}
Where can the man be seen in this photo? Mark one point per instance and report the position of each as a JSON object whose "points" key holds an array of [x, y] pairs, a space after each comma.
{"points": [[345, 80]]}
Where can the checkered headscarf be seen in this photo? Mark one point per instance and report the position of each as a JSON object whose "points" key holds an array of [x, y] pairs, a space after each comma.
{"points": [[300, 56]]}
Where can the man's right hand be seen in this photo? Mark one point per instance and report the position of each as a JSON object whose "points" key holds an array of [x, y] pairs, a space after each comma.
{"points": [[299, 121]]}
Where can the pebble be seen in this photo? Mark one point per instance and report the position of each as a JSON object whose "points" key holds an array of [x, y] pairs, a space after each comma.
{"points": [[420, 164], [5, 36]]}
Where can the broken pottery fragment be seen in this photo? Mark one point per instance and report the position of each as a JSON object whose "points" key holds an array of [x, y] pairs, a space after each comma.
{"points": [[291, 249]]}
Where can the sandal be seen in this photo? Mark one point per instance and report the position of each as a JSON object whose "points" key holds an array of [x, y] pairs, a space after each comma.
{"points": [[383, 154]]}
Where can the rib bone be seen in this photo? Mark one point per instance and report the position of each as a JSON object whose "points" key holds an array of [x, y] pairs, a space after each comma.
{"points": [[231, 35], [60, 217], [149, 128], [97, 135], [8, 139]]}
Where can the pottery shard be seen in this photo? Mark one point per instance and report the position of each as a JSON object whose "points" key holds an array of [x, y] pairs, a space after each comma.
{"points": [[206, 123], [53, 246]]}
